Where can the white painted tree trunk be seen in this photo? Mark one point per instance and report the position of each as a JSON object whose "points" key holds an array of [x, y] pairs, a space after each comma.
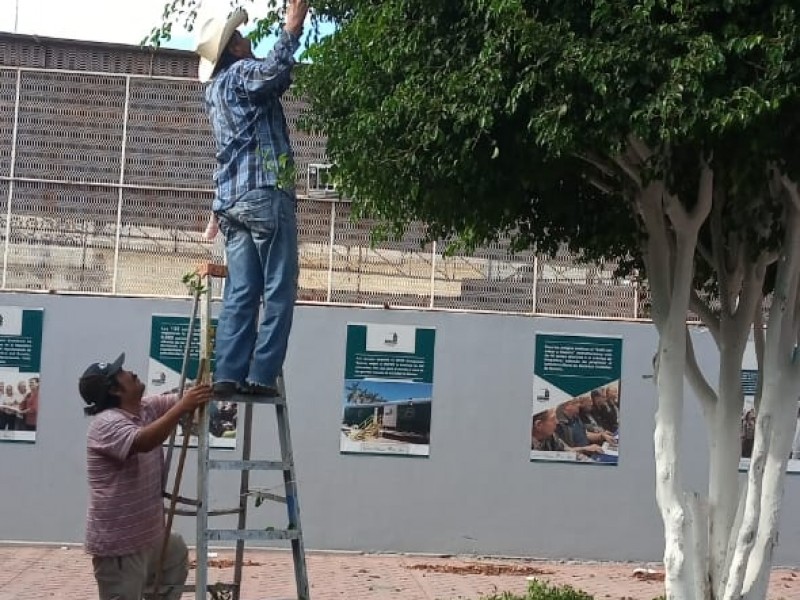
{"points": [[685, 539], [720, 549], [725, 450], [678, 528], [751, 557]]}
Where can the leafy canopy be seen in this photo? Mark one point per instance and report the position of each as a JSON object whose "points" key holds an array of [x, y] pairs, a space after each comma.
{"points": [[477, 117]]}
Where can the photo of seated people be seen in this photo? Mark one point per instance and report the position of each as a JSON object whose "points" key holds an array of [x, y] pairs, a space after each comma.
{"points": [[586, 426]]}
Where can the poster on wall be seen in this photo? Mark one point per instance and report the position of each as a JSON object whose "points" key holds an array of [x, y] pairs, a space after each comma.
{"points": [[167, 342], [749, 378], [388, 389], [576, 398], [20, 359]]}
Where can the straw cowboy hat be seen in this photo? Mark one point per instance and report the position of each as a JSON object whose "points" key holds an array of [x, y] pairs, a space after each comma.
{"points": [[214, 35]]}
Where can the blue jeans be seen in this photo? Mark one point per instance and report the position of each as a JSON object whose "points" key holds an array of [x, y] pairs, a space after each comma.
{"points": [[260, 232]]}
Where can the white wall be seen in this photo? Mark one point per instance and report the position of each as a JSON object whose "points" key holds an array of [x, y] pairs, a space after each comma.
{"points": [[477, 492]]}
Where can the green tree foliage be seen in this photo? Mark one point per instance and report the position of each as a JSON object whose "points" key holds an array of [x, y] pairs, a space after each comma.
{"points": [[487, 117]]}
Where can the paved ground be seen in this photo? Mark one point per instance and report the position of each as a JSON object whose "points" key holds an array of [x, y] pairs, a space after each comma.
{"points": [[51, 573]]}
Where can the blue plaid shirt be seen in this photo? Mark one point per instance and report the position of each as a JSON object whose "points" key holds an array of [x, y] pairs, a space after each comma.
{"points": [[243, 103]]}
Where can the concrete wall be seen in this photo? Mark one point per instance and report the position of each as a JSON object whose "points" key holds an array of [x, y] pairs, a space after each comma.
{"points": [[477, 492]]}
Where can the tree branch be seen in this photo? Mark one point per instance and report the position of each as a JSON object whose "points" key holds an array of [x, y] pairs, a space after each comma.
{"points": [[751, 295], [705, 254], [758, 342], [656, 250], [791, 187], [701, 308], [629, 170], [640, 149], [705, 195], [705, 393], [718, 251], [603, 187], [598, 162]]}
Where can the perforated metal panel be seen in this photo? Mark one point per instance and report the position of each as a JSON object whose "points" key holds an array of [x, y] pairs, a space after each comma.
{"points": [[490, 278], [8, 93], [393, 273], [62, 237], [313, 235], [113, 58], [22, 51], [169, 141], [161, 239], [568, 288], [70, 127]]}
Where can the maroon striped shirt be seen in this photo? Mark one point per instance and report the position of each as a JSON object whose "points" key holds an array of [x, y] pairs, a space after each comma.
{"points": [[126, 511]]}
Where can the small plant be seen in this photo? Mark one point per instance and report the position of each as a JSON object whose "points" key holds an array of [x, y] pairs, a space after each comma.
{"points": [[282, 167], [541, 590], [193, 282]]}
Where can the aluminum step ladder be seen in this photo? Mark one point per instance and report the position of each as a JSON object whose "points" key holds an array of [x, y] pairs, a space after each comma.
{"points": [[201, 284]]}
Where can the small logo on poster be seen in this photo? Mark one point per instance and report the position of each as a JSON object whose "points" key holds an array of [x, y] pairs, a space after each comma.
{"points": [[391, 338], [11, 320]]}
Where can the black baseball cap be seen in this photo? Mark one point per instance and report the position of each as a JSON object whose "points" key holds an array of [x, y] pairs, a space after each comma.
{"points": [[96, 382]]}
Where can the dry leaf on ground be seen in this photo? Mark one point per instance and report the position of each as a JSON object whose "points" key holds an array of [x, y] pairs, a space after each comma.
{"points": [[480, 569]]}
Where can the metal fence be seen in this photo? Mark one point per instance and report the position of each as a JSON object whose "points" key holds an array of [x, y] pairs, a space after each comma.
{"points": [[105, 167]]}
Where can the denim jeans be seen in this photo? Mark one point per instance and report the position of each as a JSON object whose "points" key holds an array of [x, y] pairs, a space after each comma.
{"points": [[260, 232]]}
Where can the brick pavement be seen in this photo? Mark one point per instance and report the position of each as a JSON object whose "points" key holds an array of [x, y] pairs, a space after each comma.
{"points": [[64, 573]]}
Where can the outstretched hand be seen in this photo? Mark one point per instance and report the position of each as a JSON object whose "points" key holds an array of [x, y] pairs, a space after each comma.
{"points": [[295, 16], [195, 397]]}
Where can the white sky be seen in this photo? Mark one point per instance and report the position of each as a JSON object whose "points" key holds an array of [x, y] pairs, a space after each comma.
{"points": [[118, 21]]}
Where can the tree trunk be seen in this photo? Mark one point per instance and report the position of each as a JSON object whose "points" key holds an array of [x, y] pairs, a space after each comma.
{"points": [[725, 450], [775, 423], [679, 547], [779, 407]]}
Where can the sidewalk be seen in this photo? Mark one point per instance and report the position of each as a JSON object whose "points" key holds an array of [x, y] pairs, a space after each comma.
{"points": [[64, 573]]}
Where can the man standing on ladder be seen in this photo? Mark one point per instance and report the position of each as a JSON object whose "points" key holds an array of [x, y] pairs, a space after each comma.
{"points": [[125, 521], [255, 201]]}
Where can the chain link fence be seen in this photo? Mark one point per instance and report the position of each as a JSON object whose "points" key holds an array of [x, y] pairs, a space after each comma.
{"points": [[105, 169]]}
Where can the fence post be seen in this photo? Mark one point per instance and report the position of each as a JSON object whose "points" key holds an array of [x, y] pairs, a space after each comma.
{"points": [[331, 239], [11, 173], [535, 282], [433, 275], [124, 148]]}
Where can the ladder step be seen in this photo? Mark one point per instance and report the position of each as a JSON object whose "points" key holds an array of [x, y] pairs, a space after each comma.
{"points": [[262, 495], [211, 513], [253, 399], [230, 535], [249, 465], [212, 270], [182, 499], [150, 593]]}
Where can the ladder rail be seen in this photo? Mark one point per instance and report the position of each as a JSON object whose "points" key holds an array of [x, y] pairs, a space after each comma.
{"points": [[244, 488], [292, 500], [182, 383], [241, 535], [203, 453]]}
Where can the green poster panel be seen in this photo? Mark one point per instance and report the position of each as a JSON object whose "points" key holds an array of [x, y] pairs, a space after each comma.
{"points": [[20, 365], [576, 398], [168, 335], [388, 389]]}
